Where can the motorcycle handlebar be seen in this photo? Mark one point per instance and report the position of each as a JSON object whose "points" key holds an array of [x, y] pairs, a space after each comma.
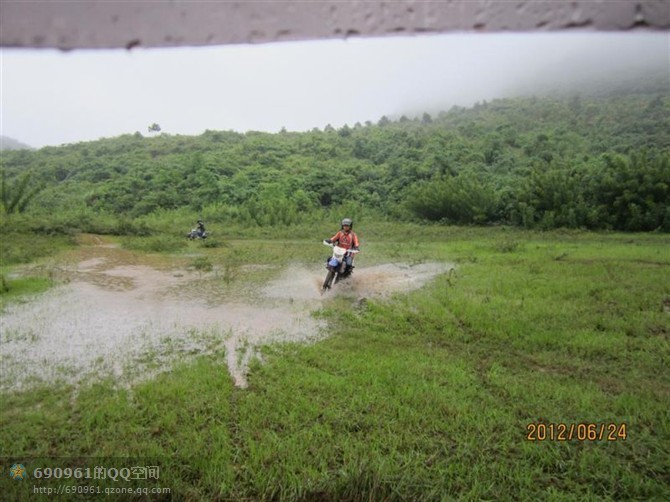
{"points": [[330, 244]]}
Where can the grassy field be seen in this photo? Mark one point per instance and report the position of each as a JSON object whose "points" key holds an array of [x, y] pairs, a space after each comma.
{"points": [[434, 394]]}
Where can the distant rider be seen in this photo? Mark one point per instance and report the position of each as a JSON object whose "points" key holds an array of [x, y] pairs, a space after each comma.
{"points": [[346, 238], [201, 229]]}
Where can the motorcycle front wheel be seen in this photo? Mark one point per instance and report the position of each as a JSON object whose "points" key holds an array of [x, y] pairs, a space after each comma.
{"points": [[329, 280]]}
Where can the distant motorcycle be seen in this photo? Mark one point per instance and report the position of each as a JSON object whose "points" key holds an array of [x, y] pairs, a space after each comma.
{"points": [[337, 266], [197, 234]]}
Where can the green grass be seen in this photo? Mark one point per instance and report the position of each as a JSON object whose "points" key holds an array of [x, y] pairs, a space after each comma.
{"points": [[155, 244], [15, 289], [425, 396], [17, 249]]}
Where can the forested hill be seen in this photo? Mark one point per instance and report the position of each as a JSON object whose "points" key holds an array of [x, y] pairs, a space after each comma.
{"points": [[576, 161]]}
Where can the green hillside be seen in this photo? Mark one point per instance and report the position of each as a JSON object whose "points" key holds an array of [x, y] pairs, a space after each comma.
{"points": [[578, 161]]}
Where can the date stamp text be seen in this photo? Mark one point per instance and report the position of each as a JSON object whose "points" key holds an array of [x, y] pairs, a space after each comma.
{"points": [[586, 431]]}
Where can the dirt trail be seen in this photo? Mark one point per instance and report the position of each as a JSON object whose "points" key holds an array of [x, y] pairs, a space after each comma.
{"points": [[128, 321]]}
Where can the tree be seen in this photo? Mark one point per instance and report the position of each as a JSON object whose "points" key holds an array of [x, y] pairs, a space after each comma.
{"points": [[16, 198], [344, 131], [464, 199]]}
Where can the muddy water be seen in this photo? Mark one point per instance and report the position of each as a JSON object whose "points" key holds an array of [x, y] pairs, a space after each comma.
{"points": [[129, 321]]}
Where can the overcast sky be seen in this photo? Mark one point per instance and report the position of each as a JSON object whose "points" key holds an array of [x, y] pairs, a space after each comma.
{"points": [[50, 97]]}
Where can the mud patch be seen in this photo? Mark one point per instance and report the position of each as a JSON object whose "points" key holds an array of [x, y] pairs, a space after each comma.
{"points": [[129, 321]]}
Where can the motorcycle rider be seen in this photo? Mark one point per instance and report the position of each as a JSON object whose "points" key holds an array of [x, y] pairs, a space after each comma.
{"points": [[346, 238], [201, 228]]}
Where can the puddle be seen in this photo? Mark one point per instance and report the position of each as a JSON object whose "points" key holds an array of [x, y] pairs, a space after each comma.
{"points": [[81, 330], [129, 321]]}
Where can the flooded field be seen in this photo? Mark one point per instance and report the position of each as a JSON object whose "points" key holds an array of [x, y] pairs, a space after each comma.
{"points": [[115, 317]]}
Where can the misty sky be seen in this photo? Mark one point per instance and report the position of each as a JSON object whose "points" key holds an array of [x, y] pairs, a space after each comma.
{"points": [[50, 97]]}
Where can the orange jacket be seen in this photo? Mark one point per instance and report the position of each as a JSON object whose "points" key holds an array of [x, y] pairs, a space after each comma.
{"points": [[346, 240]]}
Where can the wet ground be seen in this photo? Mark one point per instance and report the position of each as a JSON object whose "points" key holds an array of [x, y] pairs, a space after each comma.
{"points": [[116, 317]]}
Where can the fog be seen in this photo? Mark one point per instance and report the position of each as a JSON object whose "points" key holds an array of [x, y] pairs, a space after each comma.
{"points": [[486, 68], [51, 97]]}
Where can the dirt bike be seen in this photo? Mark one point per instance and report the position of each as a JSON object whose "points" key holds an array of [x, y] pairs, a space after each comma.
{"points": [[196, 234], [337, 266]]}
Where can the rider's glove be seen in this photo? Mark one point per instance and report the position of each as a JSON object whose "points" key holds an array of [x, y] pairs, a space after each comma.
{"points": [[355, 248], [327, 241]]}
